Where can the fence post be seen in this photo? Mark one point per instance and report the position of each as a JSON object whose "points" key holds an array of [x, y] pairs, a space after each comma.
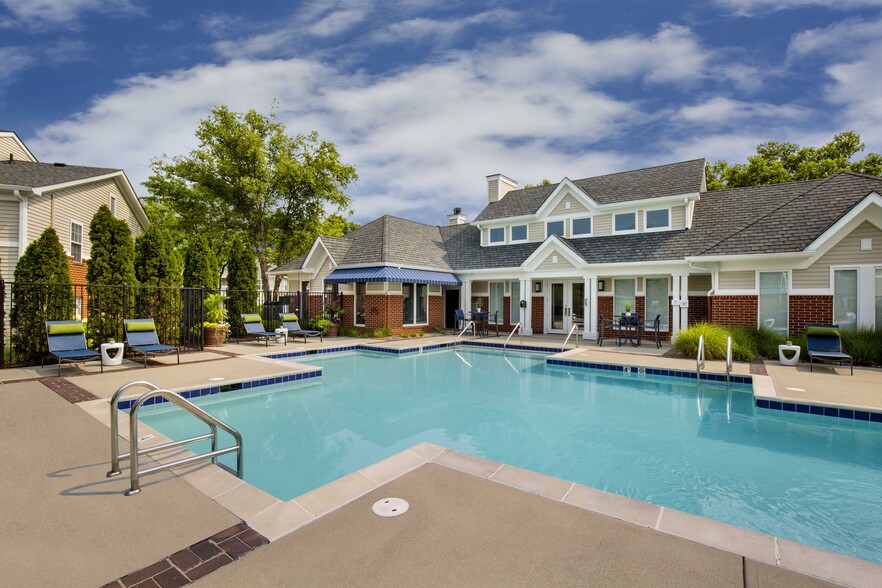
{"points": [[2, 324], [201, 330]]}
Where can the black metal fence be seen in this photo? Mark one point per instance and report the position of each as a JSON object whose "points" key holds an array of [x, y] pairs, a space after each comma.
{"points": [[25, 308], [307, 306]]}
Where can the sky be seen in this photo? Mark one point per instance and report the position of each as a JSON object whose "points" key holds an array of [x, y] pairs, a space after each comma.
{"points": [[427, 98]]}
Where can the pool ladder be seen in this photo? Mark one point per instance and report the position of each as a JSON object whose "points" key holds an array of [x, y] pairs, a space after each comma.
{"points": [[135, 471], [699, 359]]}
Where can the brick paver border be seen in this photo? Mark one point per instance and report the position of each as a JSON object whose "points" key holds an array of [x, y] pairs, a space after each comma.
{"points": [[200, 559], [67, 389]]}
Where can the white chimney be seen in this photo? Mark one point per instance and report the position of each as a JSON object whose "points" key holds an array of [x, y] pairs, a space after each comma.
{"points": [[498, 186], [457, 218]]}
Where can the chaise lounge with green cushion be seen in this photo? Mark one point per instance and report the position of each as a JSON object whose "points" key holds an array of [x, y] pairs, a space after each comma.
{"points": [[823, 343], [67, 343], [292, 323], [254, 329], [142, 338]]}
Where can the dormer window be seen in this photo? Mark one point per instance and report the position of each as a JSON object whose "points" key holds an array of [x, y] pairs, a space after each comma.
{"points": [[518, 233], [497, 235], [658, 220], [554, 228], [581, 227], [625, 222]]}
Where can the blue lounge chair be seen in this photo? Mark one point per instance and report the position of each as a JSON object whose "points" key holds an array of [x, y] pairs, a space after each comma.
{"points": [[67, 343], [254, 328], [141, 337], [823, 344], [292, 323]]}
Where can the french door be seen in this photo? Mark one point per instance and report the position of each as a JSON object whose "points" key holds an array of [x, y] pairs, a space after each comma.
{"points": [[566, 303]]}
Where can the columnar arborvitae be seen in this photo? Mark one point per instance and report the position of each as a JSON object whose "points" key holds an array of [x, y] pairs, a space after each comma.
{"points": [[200, 265], [111, 275], [241, 284], [158, 269], [42, 292]]}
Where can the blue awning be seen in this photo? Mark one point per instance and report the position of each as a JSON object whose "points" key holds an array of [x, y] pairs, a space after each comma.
{"points": [[391, 274]]}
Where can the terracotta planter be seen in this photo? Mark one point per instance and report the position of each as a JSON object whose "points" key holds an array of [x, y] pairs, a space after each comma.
{"points": [[333, 330], [213, 336]]}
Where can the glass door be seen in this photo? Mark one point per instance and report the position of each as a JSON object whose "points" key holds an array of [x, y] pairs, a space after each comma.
{"points": [[567, 303], [557, 307]]}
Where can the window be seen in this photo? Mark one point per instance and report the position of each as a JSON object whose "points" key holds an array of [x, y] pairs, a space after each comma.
{"points": [[78, 310], [845, 298], [497, 293], [518, 233], [515, 303], [657, 220], [360, 288], [76, 241], [624, 293], [554, 228], [581, 227], [657, 301], [625, 222], [113, 205], [415, 310], [497, 235], [773, 302]]}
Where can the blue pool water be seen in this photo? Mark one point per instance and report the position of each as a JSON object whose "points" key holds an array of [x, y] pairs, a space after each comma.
{"points": [[708, 451]]}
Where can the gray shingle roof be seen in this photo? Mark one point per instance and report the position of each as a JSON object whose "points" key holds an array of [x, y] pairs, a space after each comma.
{"points": [[36, 175], [292, 266], [652, 182], [396, 241]]}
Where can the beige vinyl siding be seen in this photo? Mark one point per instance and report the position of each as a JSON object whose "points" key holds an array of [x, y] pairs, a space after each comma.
{"points": [[375, 287], [549, 264], [678, 217], [561, 208], [125, 212], [744, 280], [434, 290], [700, 283], [480, 288], [536, 232], [10, 145], [317, 284], [394, 287], [846, 252], [39, 216], [8, 221], [485, 236], [602, 225], [8, 259], [492, 190]]}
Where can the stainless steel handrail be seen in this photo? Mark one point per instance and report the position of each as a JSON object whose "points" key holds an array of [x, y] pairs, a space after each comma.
{"points": [[728, 360], [114, 425], [134, 470], [575, 327], [516, 327], [465, 328], [699, 358]]}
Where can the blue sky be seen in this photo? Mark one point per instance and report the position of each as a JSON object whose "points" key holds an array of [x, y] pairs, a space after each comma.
{"points": [[427, 98]]}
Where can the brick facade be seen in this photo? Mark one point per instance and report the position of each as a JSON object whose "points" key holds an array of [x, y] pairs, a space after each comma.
{"points": [[809, 309], [733, 310], [537, 314], [698, 309], [78, 270]]}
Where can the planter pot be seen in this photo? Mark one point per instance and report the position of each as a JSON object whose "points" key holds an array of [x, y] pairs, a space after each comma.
{"points": [[333, 330], [213, 336]]}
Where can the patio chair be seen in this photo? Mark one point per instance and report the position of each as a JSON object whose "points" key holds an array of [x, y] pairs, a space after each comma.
{"points": [[67, 343], [823, 343], [602, 325], [141, 337], [292, 323], [254, 329], [654, 326], [460, 319], [495, 323]]}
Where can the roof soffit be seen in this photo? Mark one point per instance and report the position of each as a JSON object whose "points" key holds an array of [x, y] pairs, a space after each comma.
{"points": [[315, 259]]}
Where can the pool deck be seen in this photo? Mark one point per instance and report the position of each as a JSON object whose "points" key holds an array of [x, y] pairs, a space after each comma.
{"points": [[472, 521]]}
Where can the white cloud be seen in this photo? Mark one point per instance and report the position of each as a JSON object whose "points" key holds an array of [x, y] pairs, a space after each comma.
{"points": [[751, 7], [337, 22], [49, 13], [13, 60], [422, 29], [720, 112], [837, 39]]}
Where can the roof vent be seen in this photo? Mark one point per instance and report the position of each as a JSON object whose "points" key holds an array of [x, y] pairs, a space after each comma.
{"points": [[457, 218], [59, 164]]}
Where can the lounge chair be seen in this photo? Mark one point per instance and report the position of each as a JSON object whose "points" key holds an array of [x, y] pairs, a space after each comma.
{"points": [[823, 343], [254, 328], [67, 343], [141, 337], [292, 323]]}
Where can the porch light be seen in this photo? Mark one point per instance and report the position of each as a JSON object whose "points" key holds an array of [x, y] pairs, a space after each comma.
{"points": [[537, 287], [600, 285]]}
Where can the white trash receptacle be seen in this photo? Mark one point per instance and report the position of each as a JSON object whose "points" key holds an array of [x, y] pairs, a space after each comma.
{"points": [[281, 335], [117, 357]]}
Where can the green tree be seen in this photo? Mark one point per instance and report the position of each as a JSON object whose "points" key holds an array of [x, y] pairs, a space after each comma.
{"points": [[200, 265], [241, 284], [248, 177], [775, 163], [111, 275], [336, 226], [42, 292], [158, 267], [544, 182]]}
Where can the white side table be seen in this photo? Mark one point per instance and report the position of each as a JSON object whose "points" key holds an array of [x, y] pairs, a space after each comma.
{"points": [[281, 335], [116, 358], [783, 358]]}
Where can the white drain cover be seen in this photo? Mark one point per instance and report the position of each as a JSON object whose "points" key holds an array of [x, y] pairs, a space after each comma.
{"points": [[391, 507]]}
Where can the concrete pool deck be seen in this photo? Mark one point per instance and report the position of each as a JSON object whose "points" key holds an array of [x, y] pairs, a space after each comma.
{"points": [[82, 526]]}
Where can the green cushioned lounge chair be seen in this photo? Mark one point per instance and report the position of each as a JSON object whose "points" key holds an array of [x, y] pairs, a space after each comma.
{"points": [[67, 343], [823, 344], [142, 338], [254, 329], [292, 323]]}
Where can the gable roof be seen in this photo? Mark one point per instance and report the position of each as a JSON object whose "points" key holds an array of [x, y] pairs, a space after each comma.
{"points": [[37, 175], [672, 179], [396, 241]]}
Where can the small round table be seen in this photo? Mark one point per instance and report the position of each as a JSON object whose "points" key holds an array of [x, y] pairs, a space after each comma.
{"points": [[783, 358], [116, 358], [281, 335]]}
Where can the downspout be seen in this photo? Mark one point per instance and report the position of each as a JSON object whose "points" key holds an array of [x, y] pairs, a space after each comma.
{"points": [[22, 222]]}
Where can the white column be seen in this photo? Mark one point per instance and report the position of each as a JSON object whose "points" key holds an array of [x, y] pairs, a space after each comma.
{"points": [[527, 312], [684, 302], [465, 296], [590, 308], [675, 303]]}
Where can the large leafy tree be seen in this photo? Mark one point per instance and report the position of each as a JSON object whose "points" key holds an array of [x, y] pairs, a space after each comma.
{"points": [[248, 176], [775, 163], [42, 292], [111, 274], [158, 268], [241, 284]]}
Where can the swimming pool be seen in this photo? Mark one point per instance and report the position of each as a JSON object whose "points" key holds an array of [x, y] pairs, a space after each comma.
{"points": [[705, 450]]}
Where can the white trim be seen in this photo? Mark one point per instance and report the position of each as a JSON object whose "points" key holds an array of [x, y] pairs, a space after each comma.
{"points": [[490, 241], [313, 249], [563, 223], [646, 228], [21, 144], [71, 242], [9, 243], [627, 231], [565, 186], [869, 200], [811, 291], [552, 245], [22, 222], [512, 240], [590, 219]]}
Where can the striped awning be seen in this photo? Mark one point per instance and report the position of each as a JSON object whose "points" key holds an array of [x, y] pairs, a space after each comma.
{"points": [[391, 274]]}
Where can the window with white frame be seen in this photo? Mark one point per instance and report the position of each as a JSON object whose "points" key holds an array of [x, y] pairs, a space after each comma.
{"points": [[497, 295], [845, 298], [76, 241], [581, 227], [78, 308], [497, 235], [658, 220], [624, 296], [360, 289], [625, 222], [773, 304], [515, 303], [415, 300], [554, 228], [657, 301], [518, 233]]}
